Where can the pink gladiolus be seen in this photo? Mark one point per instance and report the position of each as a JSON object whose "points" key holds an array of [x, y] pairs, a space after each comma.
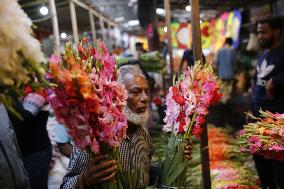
{"points": [[54, 58], [277, 147]]}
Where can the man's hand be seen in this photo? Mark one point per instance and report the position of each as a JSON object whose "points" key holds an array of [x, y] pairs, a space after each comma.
{"points": [[188, 150], [269, 89], [99, 170]]}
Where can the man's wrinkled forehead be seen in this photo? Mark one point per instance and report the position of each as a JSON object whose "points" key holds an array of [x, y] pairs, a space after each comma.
{"points": [[135, 80]]}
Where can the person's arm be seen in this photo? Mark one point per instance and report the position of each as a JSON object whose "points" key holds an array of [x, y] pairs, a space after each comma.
{"points": [[275, 82], [217, 60], [83, 173], [28, 109], [65, 148], [278, 80], [78, 164]]}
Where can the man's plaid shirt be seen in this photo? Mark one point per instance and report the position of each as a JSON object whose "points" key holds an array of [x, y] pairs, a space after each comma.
{"points": [[134, 153]]}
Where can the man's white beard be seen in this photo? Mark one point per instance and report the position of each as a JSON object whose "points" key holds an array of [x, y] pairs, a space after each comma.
{"points": [[137, 119]]}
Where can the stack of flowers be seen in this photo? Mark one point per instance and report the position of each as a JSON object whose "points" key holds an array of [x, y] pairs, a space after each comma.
{"points": [[20, 53], [187, 105], [232, 175], [88, 100], [228, 170], [265, 136], [221, 145]]}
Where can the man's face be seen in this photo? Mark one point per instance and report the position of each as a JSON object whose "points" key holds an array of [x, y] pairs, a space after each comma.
{"points": [[138, 93], [266, 35]]}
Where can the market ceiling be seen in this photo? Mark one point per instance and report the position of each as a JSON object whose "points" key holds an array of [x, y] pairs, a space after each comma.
{"points": [[125, 11]]}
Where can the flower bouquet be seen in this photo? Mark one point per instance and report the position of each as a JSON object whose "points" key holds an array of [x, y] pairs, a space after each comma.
{"points": [[187, 104], [88, 100], [264, 137], [20, 54]]}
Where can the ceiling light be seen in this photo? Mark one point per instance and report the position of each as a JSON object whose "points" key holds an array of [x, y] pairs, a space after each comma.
{"points": [[188, 8], [160, 11], [119, 19], [133, 22], [43, 10], [63, 35], [165, 29]]}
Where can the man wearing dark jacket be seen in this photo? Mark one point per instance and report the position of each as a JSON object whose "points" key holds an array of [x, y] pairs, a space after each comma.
{"points": [[268, 92]]}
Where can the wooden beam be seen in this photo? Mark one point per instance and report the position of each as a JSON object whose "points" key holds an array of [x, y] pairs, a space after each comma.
{"points": [[95, 12], [110, 41], [74, 22], [92, 22], [196, 32], [33, 3], [102, 25], [197, 51], [55, 26], [169, 32]]}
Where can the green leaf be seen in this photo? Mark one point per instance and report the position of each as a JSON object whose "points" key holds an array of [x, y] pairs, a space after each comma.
{"points": [[176, 173], [177, 160]]}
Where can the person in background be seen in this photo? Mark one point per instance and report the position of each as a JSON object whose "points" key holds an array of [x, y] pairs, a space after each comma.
{"points": [[135, 151], [12, 172], [32, 136], [226, 61], [188, 59], [268, 92], [139, 47]]}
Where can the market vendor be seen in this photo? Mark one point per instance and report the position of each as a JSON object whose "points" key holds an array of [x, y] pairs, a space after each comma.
{"points": [[135, 150], [268, 92]]}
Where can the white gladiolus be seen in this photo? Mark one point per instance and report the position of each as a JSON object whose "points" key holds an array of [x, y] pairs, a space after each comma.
{"points": [[16, 36]]}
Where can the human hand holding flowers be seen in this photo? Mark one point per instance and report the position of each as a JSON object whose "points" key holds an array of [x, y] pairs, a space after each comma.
{"points": [[99, 170], [188, 150]]}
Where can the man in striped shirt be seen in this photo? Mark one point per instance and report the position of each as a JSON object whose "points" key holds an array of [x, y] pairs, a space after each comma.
{"points": [[135, 150]]}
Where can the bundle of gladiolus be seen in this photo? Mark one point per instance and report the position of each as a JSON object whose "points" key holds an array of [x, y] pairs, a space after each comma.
{"points": [[189, 99], [265, 136], [88, 100], [187, 104]]}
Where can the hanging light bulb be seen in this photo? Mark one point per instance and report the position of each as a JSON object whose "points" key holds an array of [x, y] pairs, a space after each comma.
{"points": [[43, 10]]}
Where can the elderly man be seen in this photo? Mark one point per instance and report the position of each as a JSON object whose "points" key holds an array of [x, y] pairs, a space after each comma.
{"points": [[135, 150]]}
